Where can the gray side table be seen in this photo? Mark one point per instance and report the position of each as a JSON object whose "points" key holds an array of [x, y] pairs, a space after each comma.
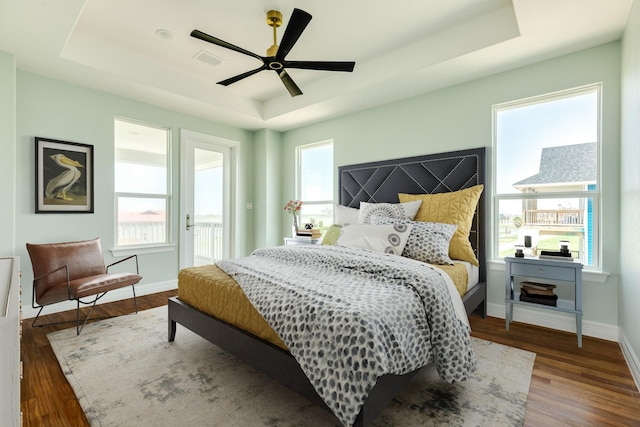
{"points": [[550, 271]]}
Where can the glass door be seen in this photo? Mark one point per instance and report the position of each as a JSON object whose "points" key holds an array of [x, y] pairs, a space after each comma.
{"points": [[206, 224]]}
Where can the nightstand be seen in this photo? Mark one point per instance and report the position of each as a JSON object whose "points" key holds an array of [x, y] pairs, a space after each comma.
{"points": [[560, 273], [290, 241]]}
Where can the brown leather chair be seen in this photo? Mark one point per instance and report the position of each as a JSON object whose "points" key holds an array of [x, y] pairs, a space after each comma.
{"points": [[75, 271]]}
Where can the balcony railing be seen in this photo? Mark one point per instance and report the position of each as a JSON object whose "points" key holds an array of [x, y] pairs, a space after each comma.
{"points": [[554, 218], [207, 238], [207, 242], [141, 232]]}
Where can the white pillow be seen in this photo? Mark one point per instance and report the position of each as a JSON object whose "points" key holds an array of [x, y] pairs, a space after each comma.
{"points": [[406, 210], [344, 215], [390, 239], [428, 241]]}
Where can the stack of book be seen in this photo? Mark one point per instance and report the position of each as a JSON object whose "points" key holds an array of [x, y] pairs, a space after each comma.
{"points": [[309, 234], [539, 293], [556, 255]]}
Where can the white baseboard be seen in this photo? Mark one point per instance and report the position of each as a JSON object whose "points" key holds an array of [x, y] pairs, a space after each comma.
{"points": [[115, 295], [631, 358], [555, 320]]}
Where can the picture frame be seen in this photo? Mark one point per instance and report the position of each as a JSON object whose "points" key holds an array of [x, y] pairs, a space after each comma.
{"points": [[64, 177]]}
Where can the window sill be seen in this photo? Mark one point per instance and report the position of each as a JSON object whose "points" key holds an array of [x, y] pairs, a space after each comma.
{"points": [[141, 250], [593, 276]]}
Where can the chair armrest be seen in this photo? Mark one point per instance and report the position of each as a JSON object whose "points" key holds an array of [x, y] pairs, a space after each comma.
{"points": [[53, 271], [35, 279], [123, 260]]}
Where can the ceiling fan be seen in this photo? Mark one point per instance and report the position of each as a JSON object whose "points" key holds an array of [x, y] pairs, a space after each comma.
{"points": [[275, 59]]}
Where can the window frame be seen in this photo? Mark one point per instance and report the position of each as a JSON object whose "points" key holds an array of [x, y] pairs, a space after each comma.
{"points": [[594, 195], [154, 246], [298, 175]]}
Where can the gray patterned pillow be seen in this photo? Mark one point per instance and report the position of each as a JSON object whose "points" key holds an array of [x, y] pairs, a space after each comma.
{"points": [[406, 210], [428, 241], [390, 239]]}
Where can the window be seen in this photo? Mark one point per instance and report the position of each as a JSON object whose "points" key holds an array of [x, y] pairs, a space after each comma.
{"points": [[547, 173], [314, 183], [141, 183]]}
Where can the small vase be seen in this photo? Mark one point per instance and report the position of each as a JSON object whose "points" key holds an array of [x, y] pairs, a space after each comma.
{"points": [[294, 227]]}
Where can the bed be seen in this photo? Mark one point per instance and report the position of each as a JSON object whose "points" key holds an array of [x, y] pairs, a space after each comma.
{"points": [[374, 183]]}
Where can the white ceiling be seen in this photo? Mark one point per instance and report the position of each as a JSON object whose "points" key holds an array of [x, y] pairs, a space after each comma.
{"points": [[401, 49]]}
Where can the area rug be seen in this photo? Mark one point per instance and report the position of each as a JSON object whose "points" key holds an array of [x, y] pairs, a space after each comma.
{"points": [[125, 373]]}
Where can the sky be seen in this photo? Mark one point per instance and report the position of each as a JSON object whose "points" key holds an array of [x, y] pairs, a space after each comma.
{"points": [[316, 161], [208, 191]]}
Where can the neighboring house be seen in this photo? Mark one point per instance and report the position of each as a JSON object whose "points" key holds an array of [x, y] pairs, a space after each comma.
{"points": [[562, 169]]}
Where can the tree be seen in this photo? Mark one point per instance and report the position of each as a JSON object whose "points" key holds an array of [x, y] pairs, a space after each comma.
{"points": [[517, 221]]}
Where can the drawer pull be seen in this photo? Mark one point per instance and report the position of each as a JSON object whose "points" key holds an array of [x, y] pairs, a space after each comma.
{"points": [[541, 270]]}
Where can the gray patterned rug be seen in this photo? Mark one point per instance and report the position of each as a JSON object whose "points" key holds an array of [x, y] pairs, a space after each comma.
{"points": [[125, 373]]}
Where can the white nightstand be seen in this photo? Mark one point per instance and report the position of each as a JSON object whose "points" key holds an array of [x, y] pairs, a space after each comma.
{"points": [[551, 271], [290, 241]]}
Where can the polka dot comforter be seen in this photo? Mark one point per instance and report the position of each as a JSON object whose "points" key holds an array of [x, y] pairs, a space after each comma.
{"points": [[349, 316]]}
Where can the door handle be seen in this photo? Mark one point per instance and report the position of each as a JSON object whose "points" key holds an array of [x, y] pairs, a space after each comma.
{"points": [[189, 225]]}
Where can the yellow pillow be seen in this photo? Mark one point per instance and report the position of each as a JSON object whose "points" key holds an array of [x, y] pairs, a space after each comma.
{"points": [[456, 207]]}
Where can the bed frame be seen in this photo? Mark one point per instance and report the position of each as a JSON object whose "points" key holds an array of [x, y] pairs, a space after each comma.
{"points": [[371, 182]]}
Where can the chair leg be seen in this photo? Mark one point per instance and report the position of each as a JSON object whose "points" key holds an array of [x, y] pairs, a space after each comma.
{"points": [[33, 324], [77, 321], [135, 301], [37, 315], [78, 327]]}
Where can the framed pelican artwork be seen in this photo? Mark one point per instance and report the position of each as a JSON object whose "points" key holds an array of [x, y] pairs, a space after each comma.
{"points": [[64, 176]]}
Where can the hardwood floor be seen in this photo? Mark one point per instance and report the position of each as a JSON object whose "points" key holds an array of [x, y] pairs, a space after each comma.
{"points": [[588, 386], [591, 386]]}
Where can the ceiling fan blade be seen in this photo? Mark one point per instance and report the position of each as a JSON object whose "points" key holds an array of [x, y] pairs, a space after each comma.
{"points": [[298, 22], [214, 40], [291, 86], [321, 65], [239, 77]]}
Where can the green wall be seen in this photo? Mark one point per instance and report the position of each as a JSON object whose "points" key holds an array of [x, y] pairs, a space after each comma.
{"points": [[630, 191], [54, 109], [460, 117], [267, 204]]}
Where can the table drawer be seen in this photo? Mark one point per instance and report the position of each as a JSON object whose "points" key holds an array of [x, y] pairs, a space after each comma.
{"points": [[544, 272]]}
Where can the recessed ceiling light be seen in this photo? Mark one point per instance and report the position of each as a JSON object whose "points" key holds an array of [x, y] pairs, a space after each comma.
{"points": [[165, 34]]}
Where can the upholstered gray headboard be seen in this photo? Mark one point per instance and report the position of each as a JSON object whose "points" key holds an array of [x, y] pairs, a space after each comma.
{"points": [[380, 182]]}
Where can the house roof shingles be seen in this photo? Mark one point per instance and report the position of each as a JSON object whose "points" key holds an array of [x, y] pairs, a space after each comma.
{"points": [[565, 164]]}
